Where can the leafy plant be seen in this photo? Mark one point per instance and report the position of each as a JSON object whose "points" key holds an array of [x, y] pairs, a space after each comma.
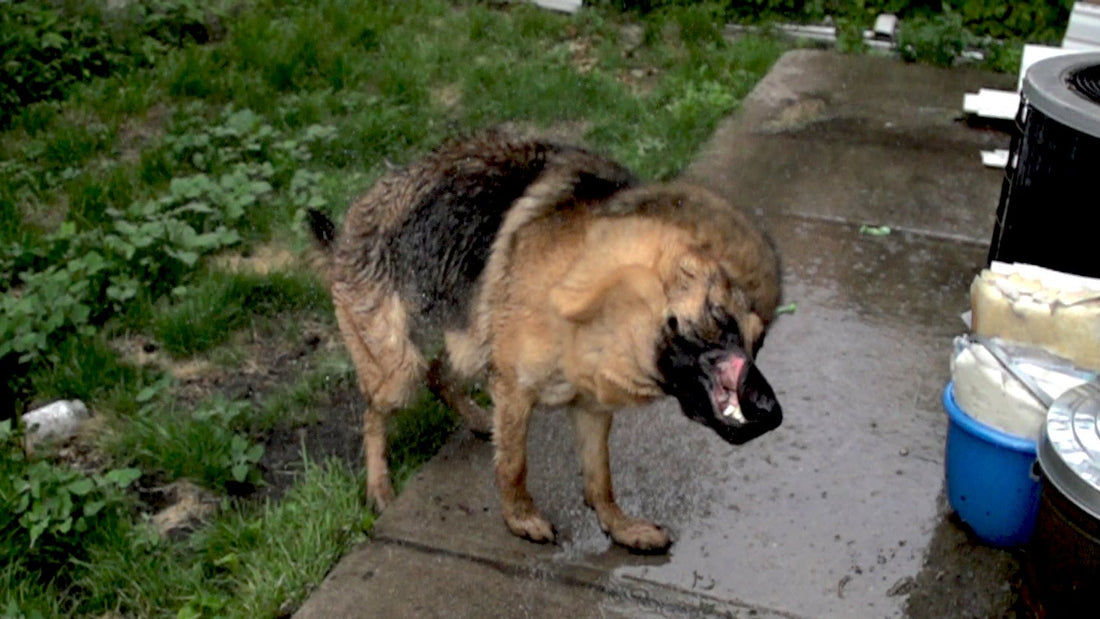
{"points": [[205, 446], [937, 40], [86, 272], [849, 36], [47, 47], [48, 511]]}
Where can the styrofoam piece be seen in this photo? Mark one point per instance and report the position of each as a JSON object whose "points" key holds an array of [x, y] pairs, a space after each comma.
{"points": [[886, 25], [1009, 393], [1083, 30], [57, 421], [996, 158], [568, 6], [1040, 307], [990, 103]]}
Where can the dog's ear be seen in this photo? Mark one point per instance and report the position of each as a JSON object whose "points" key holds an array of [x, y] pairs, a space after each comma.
{"points": [[583, 296]]}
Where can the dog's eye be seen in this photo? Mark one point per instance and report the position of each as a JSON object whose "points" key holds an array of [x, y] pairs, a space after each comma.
{"points": [[673, 324], [718, 314]]}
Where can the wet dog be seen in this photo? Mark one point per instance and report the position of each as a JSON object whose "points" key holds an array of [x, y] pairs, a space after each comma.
{"points": [[554, 273]]}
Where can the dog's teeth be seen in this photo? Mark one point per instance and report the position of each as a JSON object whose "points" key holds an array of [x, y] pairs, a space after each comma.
{"points": [[734, 410]]}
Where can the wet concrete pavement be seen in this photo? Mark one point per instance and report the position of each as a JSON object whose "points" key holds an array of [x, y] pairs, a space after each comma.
{"points": [[839, 512]]}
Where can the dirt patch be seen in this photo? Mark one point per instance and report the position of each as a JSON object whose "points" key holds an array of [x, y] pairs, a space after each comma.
{"points": [[135, 134], [262, 260], [265, 362], [336, 434], [448, 97], [188, 506]]}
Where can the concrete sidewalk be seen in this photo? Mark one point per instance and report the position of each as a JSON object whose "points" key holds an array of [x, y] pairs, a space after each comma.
{"points": [[838, 513]]}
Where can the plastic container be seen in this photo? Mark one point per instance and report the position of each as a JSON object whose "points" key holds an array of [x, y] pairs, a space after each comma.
{"points": [[992, 481], [1052, 168]]}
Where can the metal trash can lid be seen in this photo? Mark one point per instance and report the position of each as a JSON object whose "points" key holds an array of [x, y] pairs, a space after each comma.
{"points": [[1067, 89], [1069, 447]]}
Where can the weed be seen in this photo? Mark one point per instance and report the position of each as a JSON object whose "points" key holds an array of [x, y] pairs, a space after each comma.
{"points": [[46, 48], [207, 445], [51, 513], [938, 40], [849, 36], [223, 302]]}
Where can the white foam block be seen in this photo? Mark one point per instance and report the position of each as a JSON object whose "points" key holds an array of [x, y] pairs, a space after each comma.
{"points": [[996, 158], [1083, 30], [990, 103]]}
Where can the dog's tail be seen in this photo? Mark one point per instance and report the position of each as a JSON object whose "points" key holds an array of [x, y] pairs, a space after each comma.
{"points": [[324, 230], [324, 240]]}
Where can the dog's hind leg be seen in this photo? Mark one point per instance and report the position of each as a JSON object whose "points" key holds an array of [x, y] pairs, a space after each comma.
{"points": [[388, 366], [593, 429], [511, 416], [446, 385]]}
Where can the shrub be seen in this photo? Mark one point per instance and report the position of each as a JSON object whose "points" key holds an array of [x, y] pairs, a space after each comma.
{"points": [[46, 47], [50, 513]]}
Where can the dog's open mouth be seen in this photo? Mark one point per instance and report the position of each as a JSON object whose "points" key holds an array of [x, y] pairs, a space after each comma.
{"points": [[719, 387], [743, 404], [724, 394]]}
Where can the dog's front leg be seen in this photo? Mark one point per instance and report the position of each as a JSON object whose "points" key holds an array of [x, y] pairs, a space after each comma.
{"points": [[511, 416], [593, 428]]}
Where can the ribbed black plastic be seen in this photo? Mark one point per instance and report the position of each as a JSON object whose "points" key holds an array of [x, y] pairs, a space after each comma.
{"points": [[1049, 195]]}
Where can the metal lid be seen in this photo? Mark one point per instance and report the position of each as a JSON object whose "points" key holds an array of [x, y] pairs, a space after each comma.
{"points": [[1060, 87], [1069, 448]]}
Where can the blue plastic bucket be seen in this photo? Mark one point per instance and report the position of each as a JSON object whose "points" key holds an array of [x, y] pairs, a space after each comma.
{"points": [[991, 481]]}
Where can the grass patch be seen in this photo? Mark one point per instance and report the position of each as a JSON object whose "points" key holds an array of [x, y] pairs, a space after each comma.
{"points": [[208, 445], [251, 561], [416, 434], [120, 201], [89, 369], [223, 302]]}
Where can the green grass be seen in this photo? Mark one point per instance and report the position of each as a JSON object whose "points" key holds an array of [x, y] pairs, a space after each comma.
{"points": [[117, 202], [251, 561], [88, 368], [207, 445], [223, 302]]}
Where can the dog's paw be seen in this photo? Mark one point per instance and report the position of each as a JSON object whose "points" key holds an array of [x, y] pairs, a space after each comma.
{"points": [[641, 536], [379, 494], [532, 527]]}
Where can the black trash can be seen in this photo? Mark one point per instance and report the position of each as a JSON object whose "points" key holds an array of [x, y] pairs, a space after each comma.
{"points": [[1048, 195]]}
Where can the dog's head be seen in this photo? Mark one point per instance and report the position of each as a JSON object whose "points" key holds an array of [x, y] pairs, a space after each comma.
{"points": [[683, 327], [706, 351]]}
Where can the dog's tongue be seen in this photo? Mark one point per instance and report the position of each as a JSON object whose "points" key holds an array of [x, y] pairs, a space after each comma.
{"points": [[730, 371]]}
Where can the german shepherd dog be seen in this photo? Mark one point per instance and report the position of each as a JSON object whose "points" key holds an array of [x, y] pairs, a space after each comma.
{"points": [[555, 274]]}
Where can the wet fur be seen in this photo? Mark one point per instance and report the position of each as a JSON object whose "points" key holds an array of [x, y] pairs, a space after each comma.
{"points": [[551, 270]]}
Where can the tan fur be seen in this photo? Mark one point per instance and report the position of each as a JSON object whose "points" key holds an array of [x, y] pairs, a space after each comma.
{"points": [[566, 311]]}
